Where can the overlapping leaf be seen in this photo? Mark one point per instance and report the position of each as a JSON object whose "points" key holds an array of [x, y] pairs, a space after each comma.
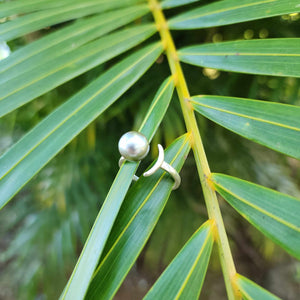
{"points": [[231, 12], [173, 3], [38, 20], [183, 278], [35, 149], [33, 83], [65, 40], [252, 291], [22, 7], [277, 57], [137, 218], [274, 125], [273, 213], [87, 262]]}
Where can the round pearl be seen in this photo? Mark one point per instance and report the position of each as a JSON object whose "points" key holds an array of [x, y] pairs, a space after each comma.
{"points": [[133, 146]]}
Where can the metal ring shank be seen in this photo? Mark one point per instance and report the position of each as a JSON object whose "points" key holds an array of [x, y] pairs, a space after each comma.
{"points": [[160, 163], [123, 159], [173, 173]]}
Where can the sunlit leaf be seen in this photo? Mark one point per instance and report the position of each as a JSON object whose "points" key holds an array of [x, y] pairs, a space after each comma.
{"points": [[46, 76], [231, 12], [277, 57], [183, 278], [136, 220], [20, 163], [173, 3], [273, 213], [87, 262], [274, 125], [66, 40], [252, 291], [40, 19], [22, 7]]}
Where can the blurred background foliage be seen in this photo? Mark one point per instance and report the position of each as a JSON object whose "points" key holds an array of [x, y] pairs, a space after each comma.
{"points": [[43, 230]]}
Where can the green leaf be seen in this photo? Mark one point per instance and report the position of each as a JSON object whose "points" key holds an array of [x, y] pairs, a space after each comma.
{"points": [[277, 57], [184, 277], [35, 82], [137, 218], [87, 262], [274, 125], [38, 20], [274, 214], [252, 291], [65, 40], [157, 108], [22, 7], [231, 12], [173, 3], [20, 163]]}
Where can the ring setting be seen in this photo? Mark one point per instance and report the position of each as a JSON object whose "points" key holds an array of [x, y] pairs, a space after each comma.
{"points": [[134, 146]]}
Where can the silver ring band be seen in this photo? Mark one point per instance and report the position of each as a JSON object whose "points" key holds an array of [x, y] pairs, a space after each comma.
{"points": [[160, 163]]}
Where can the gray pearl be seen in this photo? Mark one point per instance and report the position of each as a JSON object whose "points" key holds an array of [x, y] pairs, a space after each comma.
{"points": [[133, 146]]}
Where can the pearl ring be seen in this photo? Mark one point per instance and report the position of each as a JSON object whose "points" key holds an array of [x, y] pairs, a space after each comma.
{"points": [[134, 146]]}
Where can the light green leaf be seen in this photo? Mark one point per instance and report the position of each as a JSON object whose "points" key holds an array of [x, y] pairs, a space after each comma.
{"points": [[252, 291], [157, 108], [173, 3], [35, 82], [274, 125], [87, 262], [22, 7], [277, 57], [183, 278], [20, 163], [231, 12], [274, 214], [66, 40], [38, 20], [136, 220]]}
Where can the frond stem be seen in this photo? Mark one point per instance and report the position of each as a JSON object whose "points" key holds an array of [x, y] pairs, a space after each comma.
{"points": [[210, 197]]}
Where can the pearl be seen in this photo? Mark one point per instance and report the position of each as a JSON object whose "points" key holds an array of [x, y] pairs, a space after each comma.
{"points": [[133, 146]]}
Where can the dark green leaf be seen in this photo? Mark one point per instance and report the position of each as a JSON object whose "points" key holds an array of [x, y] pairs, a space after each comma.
{"points": [[184, 277], [97, 238], [252, 291], [274, 214], [274, 125], [136, 220], [35, 149], [231, 12], [277, 57], [35, 82], [38, 20]]}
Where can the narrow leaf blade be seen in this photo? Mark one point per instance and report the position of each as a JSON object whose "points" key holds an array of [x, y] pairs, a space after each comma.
{"points": [[184, 277], [252, 291], [136, 220], [87, 262], [276, 57], [157, 108], [20, 163], [174, 3], [274, 125], [66, 40], [273, 213], [40, 19], [231, 12], [32, 83], [22, 7]]}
